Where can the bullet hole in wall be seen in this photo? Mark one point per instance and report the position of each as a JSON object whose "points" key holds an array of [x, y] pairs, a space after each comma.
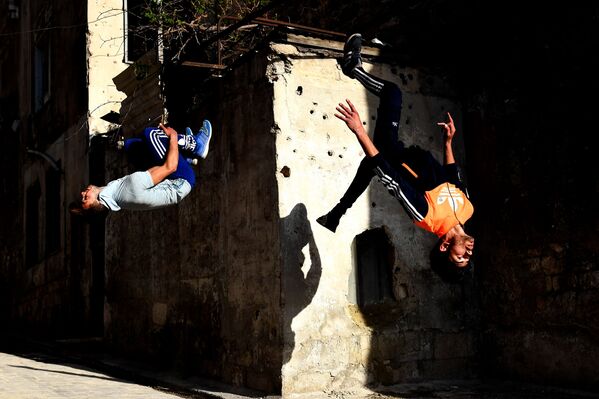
{"points": [[311, 111], [285, 171], [299, 90], [325, 117], [373, 204], [331, 153]]}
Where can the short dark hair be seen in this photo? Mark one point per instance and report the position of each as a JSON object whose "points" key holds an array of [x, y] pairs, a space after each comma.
{"points": [[446, 269], [76, 208]]}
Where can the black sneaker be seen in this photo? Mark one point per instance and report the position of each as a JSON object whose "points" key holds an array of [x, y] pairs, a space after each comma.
{"points": [[352, 58], [329, 221]]}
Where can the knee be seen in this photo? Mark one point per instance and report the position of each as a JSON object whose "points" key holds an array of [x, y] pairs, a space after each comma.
{"points": [[147, 131], [366, 165], [151, 132]]}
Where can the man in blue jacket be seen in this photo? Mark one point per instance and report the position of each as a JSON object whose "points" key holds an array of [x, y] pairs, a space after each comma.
{"points": [[168, 180]]}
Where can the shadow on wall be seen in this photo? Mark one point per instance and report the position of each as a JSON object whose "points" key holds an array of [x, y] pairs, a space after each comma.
{"points": [[300, 278]]}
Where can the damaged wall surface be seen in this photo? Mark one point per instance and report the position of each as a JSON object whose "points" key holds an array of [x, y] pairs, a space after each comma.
{"points": [[197, 286], [422, 328], [46, 271], [240, 283]]}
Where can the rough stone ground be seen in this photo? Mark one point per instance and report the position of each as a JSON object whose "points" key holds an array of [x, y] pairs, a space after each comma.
{"points": [[48, 374], [38, 376]]}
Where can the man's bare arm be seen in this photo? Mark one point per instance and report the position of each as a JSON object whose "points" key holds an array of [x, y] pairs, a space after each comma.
{"points": [[349, 115], [449, 128], [159, 173]]}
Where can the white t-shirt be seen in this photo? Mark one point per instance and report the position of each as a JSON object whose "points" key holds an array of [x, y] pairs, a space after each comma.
{"points": [[137, 192]]}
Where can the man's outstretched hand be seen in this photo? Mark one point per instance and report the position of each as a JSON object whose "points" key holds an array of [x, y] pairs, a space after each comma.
{"points": [[449, 127], [349, 115]]}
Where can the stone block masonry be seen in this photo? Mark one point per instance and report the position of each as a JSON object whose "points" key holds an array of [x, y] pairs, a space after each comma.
{"points": [[239, 283]]}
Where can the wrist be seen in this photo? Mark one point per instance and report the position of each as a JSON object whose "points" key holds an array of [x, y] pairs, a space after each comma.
{"points": [[359, 131]]}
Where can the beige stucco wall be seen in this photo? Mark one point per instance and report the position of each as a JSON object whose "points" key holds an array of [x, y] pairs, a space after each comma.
{"points": [[105, 60], [329, 344]]}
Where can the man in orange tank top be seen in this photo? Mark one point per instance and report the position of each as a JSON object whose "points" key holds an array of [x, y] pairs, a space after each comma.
{"points": [[433, 195]]}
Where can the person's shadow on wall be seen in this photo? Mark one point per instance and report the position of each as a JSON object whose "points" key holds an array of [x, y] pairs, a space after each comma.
{"points": [[300, 278]]}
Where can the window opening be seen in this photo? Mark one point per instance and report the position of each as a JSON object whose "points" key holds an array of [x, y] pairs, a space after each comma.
{"points": [[374, 264], [139, 37]]}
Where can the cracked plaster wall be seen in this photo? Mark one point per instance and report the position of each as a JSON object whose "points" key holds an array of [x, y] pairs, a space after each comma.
{"points": [[330, 343]]}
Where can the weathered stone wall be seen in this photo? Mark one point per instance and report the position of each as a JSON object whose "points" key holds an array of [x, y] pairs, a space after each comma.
{"points": [[427, 330], [105, 54], [539, 275], [524, 73], [198, 285], [143, 104], [11, 236], [46, 265], [54, 292], [249, 233], [524, 77]]}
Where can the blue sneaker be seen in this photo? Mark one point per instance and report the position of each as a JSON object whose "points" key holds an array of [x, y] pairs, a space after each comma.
{"points": [[203, 140], [186, 141]]}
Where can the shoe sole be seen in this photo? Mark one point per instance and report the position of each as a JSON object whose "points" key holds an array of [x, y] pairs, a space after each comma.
{"points": [[207, 126], [323, 222], [348, 41]]}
